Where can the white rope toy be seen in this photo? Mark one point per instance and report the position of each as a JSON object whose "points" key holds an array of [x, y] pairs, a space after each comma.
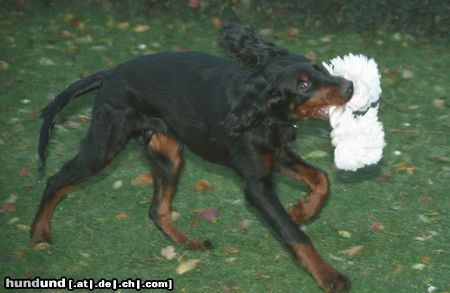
{"points": [[357, 133]]}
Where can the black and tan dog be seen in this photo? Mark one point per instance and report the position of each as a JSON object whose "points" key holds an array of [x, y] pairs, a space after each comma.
{"points": [[240, 116]]}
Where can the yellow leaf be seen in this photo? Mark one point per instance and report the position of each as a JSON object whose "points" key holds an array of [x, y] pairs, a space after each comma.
{"points": [[405, 166], [141, 28], [352, 251], [187, 266], [22, 227], [21, 254], [426, 260], [41, 246], [203, 185], [344, 234]]}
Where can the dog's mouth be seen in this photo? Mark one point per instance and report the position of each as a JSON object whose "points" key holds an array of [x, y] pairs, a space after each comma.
{"points": [[322, 113]]}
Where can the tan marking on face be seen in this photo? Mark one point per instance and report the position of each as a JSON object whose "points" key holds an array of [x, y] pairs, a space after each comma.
{"points": [[323, 97]]}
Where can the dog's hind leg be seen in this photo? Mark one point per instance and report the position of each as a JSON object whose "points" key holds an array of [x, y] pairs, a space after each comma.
{"points": [[167, 161], [109, 132]]}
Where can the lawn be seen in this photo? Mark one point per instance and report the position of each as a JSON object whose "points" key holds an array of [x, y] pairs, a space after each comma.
{"points": [[393, 217]]}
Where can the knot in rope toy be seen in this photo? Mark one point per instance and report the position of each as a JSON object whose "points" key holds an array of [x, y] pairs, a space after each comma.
{"points": [[357, 134]]}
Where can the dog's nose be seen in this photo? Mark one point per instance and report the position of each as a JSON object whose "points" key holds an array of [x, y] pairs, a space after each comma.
{"points": [[347, 89]]}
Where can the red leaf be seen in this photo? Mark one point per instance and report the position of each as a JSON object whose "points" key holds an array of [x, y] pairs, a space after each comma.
{"points": [[376, 226], [24, 171], [8, 207], [210, 214]]}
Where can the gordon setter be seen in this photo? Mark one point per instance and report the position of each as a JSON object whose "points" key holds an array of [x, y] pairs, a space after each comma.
{"points": [[238, 114]]}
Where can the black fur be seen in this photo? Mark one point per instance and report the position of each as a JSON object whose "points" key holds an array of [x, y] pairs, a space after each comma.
{"points": [[237, 116]]}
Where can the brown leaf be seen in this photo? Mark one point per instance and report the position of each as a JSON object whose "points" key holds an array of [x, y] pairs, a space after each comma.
{"points": [[7, 207], [376, 226], [426, 260], [405, 166], [203, 185], [217, 22], [121, 216], [231, 249], [293, 32], [142, 179]]}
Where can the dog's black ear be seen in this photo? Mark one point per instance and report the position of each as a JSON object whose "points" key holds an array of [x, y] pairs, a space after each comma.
{"points": [[246, 46], [252, 106]]}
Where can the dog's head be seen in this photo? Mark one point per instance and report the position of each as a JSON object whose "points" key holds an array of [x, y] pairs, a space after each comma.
{"points": [[284, 86]]}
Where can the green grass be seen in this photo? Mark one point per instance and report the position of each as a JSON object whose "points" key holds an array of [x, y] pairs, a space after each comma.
{"points": [[91, 243]]}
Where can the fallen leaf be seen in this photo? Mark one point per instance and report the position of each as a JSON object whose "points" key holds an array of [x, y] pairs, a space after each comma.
{"points": [[118, 184], [423, 238], [21, 253], [426, 199], [405, 166], [439, 103], [186, 266], [424, 219], [41, 246], [266, 32], [210, 214], [260, 276], [174, 216], [3, 65], [22, 227], [355, 250], [407, 74], [141, 28], [418, 266], [142, 179], [46, 61], [316, 155], [7, 207], [217, 22], [293, 32], [194, 4], [245, 224], [121, 216], [426, 260], [376, 226], [203, 185], [168, 252], [231, 249], [123, 25], [367, 271], [344, 234], [24, 171]]}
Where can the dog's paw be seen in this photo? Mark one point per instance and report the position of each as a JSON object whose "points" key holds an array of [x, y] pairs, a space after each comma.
{"points": [[296, 214], [336, 283]]}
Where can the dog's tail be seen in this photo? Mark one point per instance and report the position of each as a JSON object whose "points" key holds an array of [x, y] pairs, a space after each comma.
{"points": [[49, 113]]}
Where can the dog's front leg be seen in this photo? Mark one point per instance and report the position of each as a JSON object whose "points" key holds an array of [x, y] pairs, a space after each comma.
{"points": [[292, 165], [261, 194]]}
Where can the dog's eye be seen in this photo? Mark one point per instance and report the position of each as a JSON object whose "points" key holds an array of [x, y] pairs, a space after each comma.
{"points": [[304, 86]]}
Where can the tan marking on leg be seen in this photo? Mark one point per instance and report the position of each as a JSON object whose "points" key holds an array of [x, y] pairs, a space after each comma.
{"points": [[41, 226], [309, 205], [171, 149], [325, 275]]}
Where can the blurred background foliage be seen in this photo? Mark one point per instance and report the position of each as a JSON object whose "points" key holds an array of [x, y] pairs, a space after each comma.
{"points": [[417, 17]]}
